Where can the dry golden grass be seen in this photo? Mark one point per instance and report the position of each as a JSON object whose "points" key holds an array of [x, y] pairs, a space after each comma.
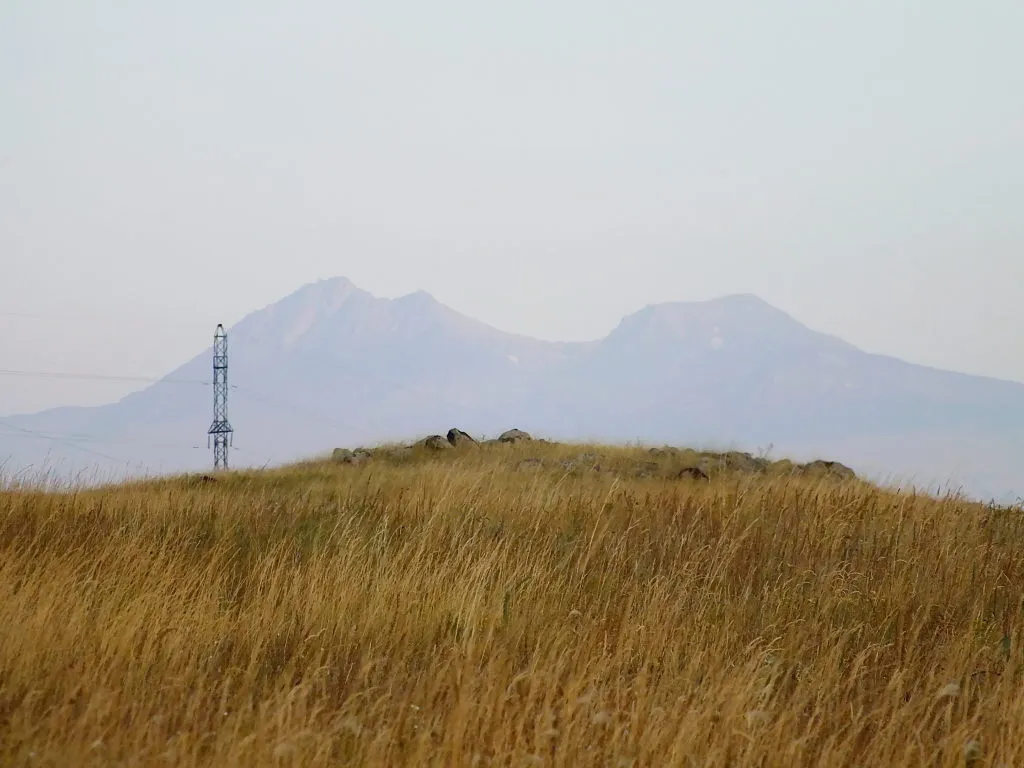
{"points": [[455, 611]]}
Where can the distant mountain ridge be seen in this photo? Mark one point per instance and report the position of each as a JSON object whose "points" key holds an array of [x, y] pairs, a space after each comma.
{"points": [[330, 364]]}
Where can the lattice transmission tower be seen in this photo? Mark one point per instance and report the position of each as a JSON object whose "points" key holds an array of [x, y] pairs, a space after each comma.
{"points": [[220, 429]]}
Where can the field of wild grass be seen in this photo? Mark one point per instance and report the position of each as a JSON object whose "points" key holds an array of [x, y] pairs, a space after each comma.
{"points": [[459, 609]]}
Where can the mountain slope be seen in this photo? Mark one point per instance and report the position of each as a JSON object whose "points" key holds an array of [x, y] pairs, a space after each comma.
{"points": [[331, 364]]}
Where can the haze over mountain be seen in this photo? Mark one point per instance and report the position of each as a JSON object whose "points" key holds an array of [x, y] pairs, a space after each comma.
{"points": [[332, 365]]}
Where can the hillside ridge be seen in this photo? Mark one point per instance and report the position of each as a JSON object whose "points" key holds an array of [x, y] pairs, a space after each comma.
{"points": [[331, 364]]}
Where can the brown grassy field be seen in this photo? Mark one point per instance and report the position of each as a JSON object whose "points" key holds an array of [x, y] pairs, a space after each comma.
{"points": [[456, 610]]}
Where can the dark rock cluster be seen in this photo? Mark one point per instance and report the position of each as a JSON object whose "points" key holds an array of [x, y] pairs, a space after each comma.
{"points": [[665, 463]]}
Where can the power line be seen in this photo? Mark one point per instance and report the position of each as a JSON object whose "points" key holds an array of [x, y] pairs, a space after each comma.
{"points": [[82, 437], [84, 440], [221, 428], [68, 443], [129, 435], [74, 441], [98, 376], [316, 416], [311, 414], [115, 318]]}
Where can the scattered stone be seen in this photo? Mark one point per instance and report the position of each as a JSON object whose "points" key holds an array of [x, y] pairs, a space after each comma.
{"points": [[662, 452], [458, 438], [692, 473], [829, 469], [436, 443], [699, 465], [744, 462], [341, 454], [514, 436], [345, 456]]}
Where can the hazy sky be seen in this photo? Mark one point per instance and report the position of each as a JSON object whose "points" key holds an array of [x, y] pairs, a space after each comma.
{"points": [[546, 167]]}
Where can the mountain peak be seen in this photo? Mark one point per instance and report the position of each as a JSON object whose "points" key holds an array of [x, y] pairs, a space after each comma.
{"points": [[733, 304], [344, 366], [331, 287], [750, 300], [337, 280], [304, 308], [418, 298], [735, 320], [322, 293]]}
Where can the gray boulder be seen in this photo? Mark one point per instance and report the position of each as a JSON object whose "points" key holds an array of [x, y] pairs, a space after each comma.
{"points": [[345, 456], [436, 443], [832, 469], [744, 462], [514, 436], [692, 473], [458, 439], [660, 453]]}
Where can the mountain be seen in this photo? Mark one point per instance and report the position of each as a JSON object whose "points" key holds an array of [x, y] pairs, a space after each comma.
{"points": [[333, 365]]}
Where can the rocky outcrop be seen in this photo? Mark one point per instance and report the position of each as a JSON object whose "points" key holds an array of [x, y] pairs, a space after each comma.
{"points": [[436, 443], [832, 469], [514, 436], [691, 473], [459, 439], [345, 456], [660, 453], [662, 463], [200, 479], [738, 461]]}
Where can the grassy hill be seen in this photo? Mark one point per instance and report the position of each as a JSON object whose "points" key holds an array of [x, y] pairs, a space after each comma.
{"points": [[529, 604]]}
